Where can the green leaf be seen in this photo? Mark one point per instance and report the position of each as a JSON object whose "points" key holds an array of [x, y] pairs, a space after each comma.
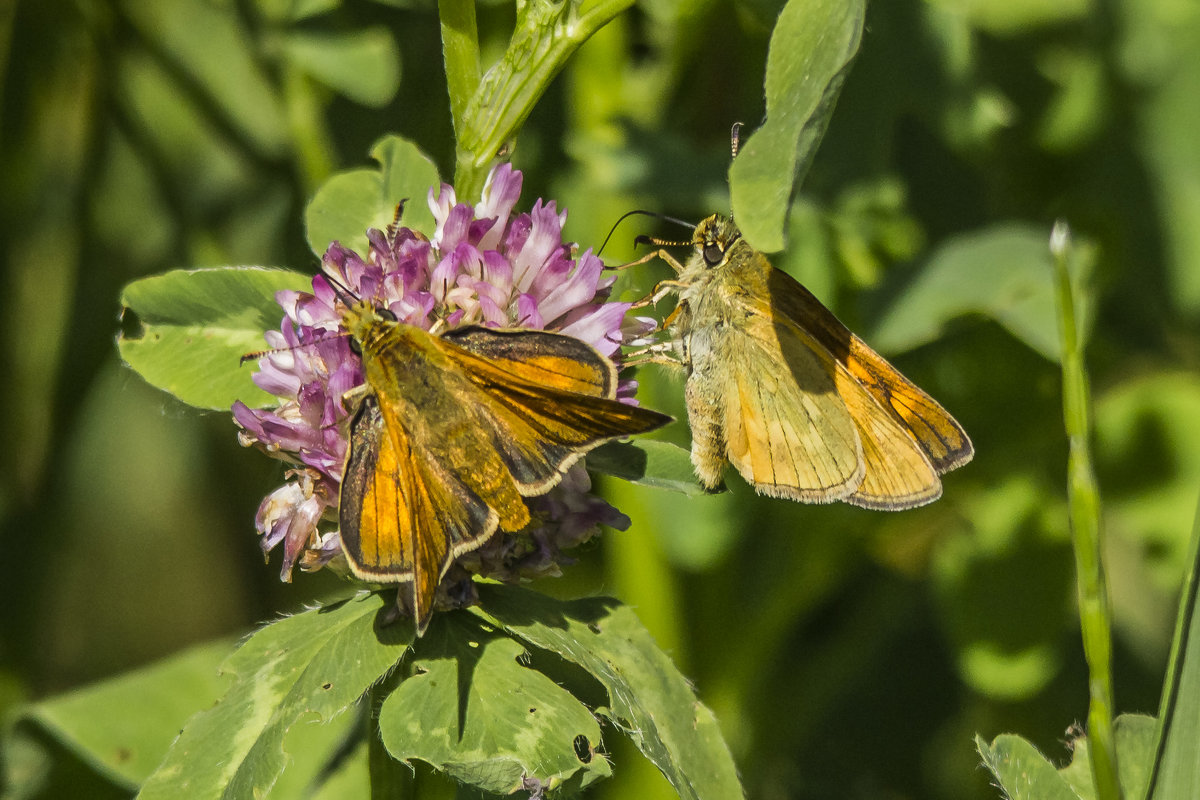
{"points": [[309, 667], [295, 10], [1135, 756], [1176, 770], [1004, 271], [195, 325], [1021, 771], [811, 49], [1158, 53], [647, 462], [350, 202], [119, 729], [474, 711], [362, 65], [648, 697]]}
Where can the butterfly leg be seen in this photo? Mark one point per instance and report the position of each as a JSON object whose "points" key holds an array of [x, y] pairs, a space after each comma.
{"points": [[661, 290], [660, 353], [661, 254], [354, 396]]}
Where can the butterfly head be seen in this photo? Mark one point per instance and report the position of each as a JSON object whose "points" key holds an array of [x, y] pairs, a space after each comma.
{"points": [[714, 238]]}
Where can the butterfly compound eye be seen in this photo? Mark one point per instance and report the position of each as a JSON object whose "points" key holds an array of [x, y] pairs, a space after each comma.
{"points": [[713, 254]]}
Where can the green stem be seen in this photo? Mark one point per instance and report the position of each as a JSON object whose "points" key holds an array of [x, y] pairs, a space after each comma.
{"points": [[460, 52], [545, 36], [390, 779], [311, 140], [1083, 498]]}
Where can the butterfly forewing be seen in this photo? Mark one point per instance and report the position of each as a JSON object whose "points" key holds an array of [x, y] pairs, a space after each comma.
{"points": [[371, 492], [392, 501], [939, 434], [541, 358], [897, 471], [548, 410]]}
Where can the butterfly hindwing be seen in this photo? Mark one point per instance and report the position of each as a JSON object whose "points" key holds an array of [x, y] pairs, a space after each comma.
{"points": [[402, 515], [783, 425]]}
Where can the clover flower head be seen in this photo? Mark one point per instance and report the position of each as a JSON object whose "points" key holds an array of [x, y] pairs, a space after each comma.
{"points": [[483, 265]]}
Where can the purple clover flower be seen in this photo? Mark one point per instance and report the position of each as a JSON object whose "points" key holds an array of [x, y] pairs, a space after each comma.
{"points": [[482, 266]]}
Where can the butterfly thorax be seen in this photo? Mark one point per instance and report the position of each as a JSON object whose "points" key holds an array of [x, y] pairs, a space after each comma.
{"points": [[407, 369]]}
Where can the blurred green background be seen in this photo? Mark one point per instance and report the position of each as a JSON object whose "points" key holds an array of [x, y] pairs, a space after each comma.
{"points": [[847, 653]]}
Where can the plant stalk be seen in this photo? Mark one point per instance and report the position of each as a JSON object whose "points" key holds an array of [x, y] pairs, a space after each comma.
{"points": [[1083, 500], [390, 779]]}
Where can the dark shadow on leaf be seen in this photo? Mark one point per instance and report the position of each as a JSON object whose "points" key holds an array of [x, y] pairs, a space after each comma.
{"points": [[515, 607], [1147, 458], [330, 607], [457, 636], [582, 685], [345, 749], [391, 626], [619, 459], [57, 770]]}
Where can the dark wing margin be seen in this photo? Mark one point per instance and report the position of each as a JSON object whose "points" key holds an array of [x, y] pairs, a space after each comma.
{"points": [[401, 517]]}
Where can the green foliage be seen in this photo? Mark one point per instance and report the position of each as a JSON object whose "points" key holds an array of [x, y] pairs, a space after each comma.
{"points": [[1175, 768], [811, 48], [647, 697], [193, 327], [1025, 774], [545, 36], [142, 137], [350, 202], [362, 65], [474, 711], [647, 462], [477, 698], [1004, 272], [92, 730], [309, 667]]}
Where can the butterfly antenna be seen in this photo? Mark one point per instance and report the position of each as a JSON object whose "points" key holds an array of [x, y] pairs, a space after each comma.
{"points": [[257, 354], [643, 239], [735, 140], [342, 291]]}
